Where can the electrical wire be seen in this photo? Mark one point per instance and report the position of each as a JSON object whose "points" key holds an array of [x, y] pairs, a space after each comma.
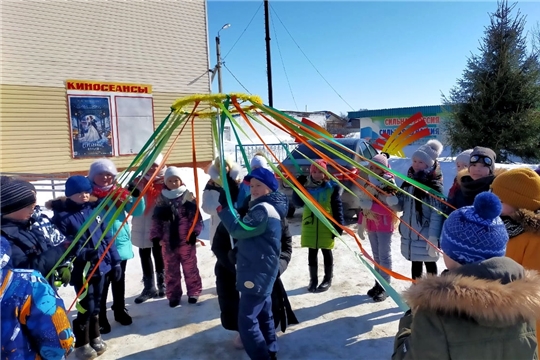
{"points": [[283, 64], [243, 32], [303, 53], [235, 78]]}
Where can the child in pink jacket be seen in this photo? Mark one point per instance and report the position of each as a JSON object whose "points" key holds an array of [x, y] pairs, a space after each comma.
{"points": [[174, 215], [379, 222]]}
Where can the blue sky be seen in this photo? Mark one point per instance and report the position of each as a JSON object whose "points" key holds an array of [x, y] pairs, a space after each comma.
{"points": [[374, 54]]}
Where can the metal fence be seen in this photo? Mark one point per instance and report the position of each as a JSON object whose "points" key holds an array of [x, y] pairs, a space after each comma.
{"points": [[280, 150]]}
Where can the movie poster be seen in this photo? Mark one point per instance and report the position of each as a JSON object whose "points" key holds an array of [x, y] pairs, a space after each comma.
{"points": [[90, 118]]}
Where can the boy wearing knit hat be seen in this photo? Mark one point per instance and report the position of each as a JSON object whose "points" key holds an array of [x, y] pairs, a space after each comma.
{"points": [[483, 307], [30, 248], [519, 191], [476, 179], [70, 214], [258, 251], [315, 235]]}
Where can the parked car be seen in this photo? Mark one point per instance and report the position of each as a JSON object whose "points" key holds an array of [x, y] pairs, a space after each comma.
{"points": [[359, 146]]}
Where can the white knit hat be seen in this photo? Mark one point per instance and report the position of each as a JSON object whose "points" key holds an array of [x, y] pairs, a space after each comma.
{"points": [[259, 161], [429, 152], [173, 171], [101, 166], [464, 157]]}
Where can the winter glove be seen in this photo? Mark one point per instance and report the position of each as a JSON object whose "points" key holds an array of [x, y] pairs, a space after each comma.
{"points": [[63, 274], [232, 255], [192, 238], [432, 252], [132, 188], [302, 179], [366, 204], [91, 255], [116, 273], [392, 200]]}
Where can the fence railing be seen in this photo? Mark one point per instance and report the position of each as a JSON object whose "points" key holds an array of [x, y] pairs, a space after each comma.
{"points": [[281, 151], [51, 183]]}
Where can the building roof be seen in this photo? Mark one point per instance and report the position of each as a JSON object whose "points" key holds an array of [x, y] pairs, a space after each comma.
{"points": [[404, 111]]}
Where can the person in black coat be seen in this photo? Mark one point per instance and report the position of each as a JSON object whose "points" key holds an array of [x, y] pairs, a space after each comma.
{"points": [[225, 271], [30, 249]]}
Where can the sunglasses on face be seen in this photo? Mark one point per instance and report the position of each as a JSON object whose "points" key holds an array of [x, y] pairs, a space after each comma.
{"points": [[483, 159]]}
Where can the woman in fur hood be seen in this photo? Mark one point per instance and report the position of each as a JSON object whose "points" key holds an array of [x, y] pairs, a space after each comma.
{"points": [[519, 191], [473, 180], [483, 307]]}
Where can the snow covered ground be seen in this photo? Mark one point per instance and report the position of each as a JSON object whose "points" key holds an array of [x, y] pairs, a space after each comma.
{"points": [[342, 323]]}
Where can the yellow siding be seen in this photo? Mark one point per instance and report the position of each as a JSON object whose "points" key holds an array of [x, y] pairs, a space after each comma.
{"points": [[162, 43], [35, 134]]}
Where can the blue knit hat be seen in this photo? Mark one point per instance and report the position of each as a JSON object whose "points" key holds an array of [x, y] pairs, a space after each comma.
{"points": [[265, 176], [77, 184], [475, 233]]}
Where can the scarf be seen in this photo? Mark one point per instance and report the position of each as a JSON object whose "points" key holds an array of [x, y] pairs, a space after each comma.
{"points": [[470, 188], [513, 228], [152, 194], [119, 194], [173, 194], [431, 178]]}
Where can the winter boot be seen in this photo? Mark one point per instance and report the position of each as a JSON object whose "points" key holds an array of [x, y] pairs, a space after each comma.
{"points": [[104, 326], [121, 315], [83, 350], [161, 284], [327, 280], [313, 279], [374, 290], [96, 342], [193, 299], [149, 291], [381, 295]]}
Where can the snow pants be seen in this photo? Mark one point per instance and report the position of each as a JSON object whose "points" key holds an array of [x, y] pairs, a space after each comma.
{"points": [[256, 326], [184, 255], [382, 253], [92, 301]]}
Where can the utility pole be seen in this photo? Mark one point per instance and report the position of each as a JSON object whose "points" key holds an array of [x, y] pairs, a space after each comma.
{"points": [[268, 56], [218, 55]]}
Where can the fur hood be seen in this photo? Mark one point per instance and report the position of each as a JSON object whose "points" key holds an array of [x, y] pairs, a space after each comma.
{"points": [[465, 172], [59, 204], [529, 220], [513, 297], [235, 170]]}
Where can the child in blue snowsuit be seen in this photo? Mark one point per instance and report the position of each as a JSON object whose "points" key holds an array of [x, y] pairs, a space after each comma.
{"points": [[257, 261], [34, 320], [69, 216]]}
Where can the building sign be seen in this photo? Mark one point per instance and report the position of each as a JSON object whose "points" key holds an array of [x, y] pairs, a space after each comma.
{"points": [[109, 118]]}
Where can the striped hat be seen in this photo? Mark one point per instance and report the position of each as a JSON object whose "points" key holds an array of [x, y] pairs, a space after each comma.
{"points": [[16, 195]]}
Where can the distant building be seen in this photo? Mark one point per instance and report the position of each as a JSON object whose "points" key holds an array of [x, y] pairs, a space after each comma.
{"points": [[373, 123], [87, 79]]}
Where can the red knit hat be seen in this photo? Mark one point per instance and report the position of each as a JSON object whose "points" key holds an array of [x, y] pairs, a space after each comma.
{"points": [[319, 162]]}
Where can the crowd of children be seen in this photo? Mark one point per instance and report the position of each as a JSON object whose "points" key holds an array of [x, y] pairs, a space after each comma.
{"points": [[481, 298]]}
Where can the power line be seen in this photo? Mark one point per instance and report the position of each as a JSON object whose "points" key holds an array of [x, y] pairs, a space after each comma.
{"points": [[283, 64], [243, 32], [303, 53], [235, 78]]}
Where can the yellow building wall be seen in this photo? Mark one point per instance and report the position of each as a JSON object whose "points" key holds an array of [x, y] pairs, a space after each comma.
{"points": [[35, 133]]}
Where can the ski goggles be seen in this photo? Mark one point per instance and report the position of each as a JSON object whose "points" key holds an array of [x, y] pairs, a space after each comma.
{"points": [[482, 159]]}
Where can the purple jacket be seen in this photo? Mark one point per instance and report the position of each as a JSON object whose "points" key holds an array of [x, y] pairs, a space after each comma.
{"points": [[172, 220]]}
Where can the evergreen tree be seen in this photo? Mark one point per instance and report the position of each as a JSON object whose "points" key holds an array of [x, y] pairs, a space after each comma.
{"points": [[496, 103]]}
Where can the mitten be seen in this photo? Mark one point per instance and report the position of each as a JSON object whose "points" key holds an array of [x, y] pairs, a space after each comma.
{"points": [[117, 273], [91, 255], [64, 275], [232, 255], [192, 238], [132, 188], [431, 250], [366, 204], [392, 200], [302, 179]]}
